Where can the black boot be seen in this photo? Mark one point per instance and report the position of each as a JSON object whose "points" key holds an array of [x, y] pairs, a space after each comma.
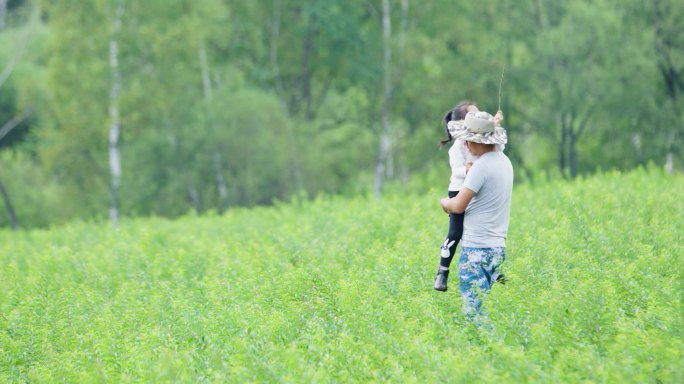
{"points": [[502, 279], [441, 280]]}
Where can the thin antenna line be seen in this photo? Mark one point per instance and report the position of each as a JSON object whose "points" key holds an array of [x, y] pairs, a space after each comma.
{"points": [[503, 69]]}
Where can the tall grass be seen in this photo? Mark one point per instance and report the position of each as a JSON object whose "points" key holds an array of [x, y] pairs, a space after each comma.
{"points": [[340, 290]]}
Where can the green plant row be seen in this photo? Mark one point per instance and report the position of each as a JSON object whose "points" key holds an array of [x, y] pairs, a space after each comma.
{"points": [[340, 290]]}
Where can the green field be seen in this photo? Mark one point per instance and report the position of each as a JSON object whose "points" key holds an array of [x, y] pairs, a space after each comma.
{"points": [[340, 290]]}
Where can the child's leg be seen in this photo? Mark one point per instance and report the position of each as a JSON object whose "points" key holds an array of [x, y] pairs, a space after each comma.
{"points": [[449, 248], [452, 240]]}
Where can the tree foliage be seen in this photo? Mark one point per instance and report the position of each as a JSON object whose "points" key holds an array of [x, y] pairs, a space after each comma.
{"points": [[229, 103]]}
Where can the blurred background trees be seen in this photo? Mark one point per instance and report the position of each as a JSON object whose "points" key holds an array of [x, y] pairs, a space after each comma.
{"points": [[223, 103]]}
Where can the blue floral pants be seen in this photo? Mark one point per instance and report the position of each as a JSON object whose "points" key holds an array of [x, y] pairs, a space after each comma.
{"points": [[478, 269]]}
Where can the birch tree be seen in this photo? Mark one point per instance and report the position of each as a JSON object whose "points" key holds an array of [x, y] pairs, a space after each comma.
{"points": [[9, 206], [584, 81], [4, 130], [5, 74], [20, 46], [385, 146], [217, 159], [115, 119], [401, 47], [278, 85], [669, 47], [3, 12]]}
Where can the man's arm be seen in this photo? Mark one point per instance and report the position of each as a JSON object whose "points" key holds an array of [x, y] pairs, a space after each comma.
{"points": [[458, 203]]}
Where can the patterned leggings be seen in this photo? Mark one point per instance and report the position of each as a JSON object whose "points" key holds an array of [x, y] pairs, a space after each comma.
{"points": [[478, 269]]}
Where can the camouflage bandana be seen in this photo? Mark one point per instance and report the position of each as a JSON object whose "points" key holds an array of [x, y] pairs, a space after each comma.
{"points": [[478, 127]]}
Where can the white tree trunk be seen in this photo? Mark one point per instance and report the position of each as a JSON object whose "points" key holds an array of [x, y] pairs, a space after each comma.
{"points": [[403, 29], [194, 196], [669, 157], [9, 206], [220, 181], [6, 128], [385, 149], [115, 120], [22, 41], [204, 68], [275, 35], [636, 141], [403, 32], [292, 142], [221, 187], [3, 12]]}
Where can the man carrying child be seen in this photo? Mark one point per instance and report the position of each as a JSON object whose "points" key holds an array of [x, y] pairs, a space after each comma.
{"points": [[485, 198]]}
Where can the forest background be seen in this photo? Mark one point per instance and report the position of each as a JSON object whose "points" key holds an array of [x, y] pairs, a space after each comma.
{"points": [[122, 108]]}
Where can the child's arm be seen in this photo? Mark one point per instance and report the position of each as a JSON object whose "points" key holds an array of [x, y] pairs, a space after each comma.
{"points": [[498, 118], [459, 162]]}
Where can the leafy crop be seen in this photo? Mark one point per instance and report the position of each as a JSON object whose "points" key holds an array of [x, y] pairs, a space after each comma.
{"points": [[340, 290]]}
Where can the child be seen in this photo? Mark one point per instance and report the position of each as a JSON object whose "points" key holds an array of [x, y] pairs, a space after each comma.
{"points": [[460, 160]]}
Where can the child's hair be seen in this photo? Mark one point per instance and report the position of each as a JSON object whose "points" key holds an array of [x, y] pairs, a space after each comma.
{"points": [[454, 114]]}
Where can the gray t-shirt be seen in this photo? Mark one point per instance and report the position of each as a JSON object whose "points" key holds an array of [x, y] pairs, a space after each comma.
{"points": [[486, 217]]}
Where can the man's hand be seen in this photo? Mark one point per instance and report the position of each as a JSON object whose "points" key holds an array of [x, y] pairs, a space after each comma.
{"points": [[458, 203], [468, 165], [443, 203]]}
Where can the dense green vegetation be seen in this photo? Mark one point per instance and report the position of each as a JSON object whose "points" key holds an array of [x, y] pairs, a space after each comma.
{"points": [[215, 104], [293, 142], [340, 290]]}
